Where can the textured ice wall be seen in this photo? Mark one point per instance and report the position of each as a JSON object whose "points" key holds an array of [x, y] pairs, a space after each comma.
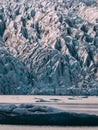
{"points": [[55, 42]]}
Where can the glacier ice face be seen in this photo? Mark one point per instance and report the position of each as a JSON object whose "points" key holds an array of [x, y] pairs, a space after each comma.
{"points": [[14, 77], [52, 46]]}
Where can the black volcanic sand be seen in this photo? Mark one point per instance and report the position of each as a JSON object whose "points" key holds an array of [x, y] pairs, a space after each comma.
{"points": [[28, 114]]}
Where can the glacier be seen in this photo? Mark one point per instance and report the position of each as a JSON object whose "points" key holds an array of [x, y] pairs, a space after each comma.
{"points": [[49, 47]]}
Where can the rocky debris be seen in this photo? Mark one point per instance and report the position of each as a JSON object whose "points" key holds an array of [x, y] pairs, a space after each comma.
{"points": [[55, 43]]}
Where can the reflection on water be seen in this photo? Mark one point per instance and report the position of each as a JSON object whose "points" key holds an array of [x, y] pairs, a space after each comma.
{"points": [[16, 127]]}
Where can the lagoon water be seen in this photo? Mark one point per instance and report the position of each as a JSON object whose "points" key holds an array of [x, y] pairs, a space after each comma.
{"points": [[19, 127]]}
